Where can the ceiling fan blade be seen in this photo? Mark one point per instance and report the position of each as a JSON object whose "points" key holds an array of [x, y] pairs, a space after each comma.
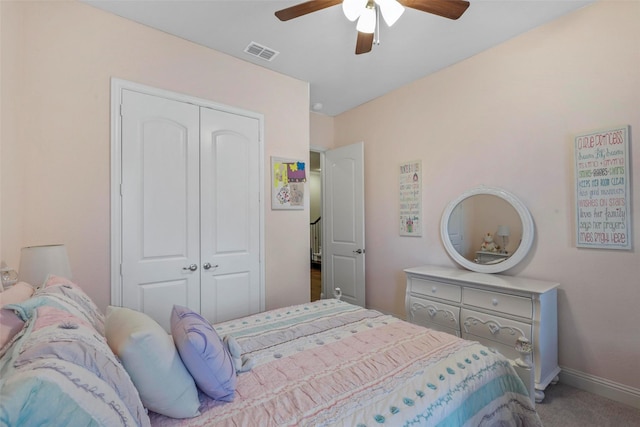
{"points": [[452, 9], [304, 8], [364, 43]]}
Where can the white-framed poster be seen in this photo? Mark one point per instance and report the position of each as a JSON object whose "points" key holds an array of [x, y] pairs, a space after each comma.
{"points": [[603, 197], [288, 178], [410, 192]]}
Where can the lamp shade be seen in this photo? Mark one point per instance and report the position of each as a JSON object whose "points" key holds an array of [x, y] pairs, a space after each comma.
{"points": [[503, 230], [38, 262]]}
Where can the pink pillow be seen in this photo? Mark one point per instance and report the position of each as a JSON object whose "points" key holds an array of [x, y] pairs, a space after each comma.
{"points": [[10, 325], [17, 293]]}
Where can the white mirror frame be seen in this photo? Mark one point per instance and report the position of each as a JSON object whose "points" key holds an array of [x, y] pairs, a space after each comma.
{"points": [[518, 255]]}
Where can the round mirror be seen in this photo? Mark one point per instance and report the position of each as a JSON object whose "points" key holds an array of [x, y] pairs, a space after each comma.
{"points": [[487, 230]]}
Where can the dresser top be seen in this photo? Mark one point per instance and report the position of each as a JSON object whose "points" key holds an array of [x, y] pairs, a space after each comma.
{"points": [[490, 280]]}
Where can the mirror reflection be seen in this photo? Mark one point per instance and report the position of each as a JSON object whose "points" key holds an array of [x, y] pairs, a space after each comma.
{"points": [[485, 229]]}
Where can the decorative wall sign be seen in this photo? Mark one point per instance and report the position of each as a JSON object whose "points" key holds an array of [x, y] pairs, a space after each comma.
{"points": [[603, 197], [411, 198], [288, 179]]}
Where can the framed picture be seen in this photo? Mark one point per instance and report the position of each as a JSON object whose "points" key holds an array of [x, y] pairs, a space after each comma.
{"points": [[410, 198], [603, 196], [288, 178]]}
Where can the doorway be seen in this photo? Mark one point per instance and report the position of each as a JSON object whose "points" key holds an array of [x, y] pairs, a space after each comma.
{"points": [[340, 258], [315, 224]]}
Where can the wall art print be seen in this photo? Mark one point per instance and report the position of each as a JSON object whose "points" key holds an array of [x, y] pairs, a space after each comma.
{"points": [[288, 178], [410, 195], [603, 189]]}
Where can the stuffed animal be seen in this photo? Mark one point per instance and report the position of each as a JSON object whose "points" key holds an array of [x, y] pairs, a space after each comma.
{"points": [[240, 363], [488, 245]]}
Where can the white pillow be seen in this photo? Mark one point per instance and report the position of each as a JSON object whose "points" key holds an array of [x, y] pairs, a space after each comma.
{"points": [[150, 357]]}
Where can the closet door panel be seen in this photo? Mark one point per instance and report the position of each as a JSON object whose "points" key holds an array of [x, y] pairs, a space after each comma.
{"points": [[232, 291], [230, 220], [157, 299], [160, 204]]}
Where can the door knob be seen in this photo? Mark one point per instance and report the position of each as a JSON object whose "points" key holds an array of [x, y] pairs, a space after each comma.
{"points": [[358, 251], [207, 266], [192, 267]]}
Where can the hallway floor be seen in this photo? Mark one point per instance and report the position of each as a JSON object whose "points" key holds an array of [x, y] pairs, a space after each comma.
{"points": [[316, 283]]}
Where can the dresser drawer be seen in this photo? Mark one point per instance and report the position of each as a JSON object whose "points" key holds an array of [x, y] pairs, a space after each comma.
{"points": [[494, 328], [504, 303], [435, 289], [423, 312]]}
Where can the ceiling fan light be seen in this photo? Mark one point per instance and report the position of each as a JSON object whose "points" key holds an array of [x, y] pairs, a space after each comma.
{"points": [[391, 10], [353, 8], [367, 21]]}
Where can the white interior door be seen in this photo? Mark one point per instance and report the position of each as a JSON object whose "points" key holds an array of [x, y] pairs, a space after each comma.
{"points": [[230, 238], [343, 218], [160, 205], [190, 209]]}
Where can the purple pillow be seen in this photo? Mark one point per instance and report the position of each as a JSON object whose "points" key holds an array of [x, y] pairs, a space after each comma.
{"points": [[203, 353]]}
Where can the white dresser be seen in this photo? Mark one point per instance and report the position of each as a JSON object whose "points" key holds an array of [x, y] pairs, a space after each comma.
{"points": [[490, 308]]}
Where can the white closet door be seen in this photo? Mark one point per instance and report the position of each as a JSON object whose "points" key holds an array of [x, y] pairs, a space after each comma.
{"points": [[230, 220], [160, 205]]}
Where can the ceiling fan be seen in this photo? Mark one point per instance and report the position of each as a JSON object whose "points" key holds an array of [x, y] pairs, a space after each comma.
{"points": [[367, 12]]}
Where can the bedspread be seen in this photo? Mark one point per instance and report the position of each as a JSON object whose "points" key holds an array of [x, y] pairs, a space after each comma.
{"points": [[330, 363]]}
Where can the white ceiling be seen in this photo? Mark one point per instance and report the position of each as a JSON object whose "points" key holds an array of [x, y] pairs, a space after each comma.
{"points": [[319, 47]]}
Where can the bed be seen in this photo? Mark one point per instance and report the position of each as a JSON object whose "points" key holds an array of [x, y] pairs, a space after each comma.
{"points": [[326, 363], [330, 363]]}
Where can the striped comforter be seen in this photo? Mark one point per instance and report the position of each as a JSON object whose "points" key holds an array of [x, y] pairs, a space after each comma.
{"points": [[330, 363]]}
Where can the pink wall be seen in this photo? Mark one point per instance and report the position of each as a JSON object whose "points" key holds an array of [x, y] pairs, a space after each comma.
{"points": [[505, 118], [58, 59], [321, 130]]}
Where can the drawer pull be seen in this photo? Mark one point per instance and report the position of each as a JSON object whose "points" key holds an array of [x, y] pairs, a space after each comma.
{"points": [[493, 328], [494, 301]]}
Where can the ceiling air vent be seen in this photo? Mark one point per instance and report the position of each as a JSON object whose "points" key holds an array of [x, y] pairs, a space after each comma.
{"points": [[260, 51]]}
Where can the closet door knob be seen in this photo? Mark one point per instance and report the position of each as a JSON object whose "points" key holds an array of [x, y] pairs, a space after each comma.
{"points": [[207, 266], [192, 267]]}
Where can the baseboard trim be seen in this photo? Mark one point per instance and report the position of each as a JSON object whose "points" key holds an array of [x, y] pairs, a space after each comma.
{"points": [[600, 386]]}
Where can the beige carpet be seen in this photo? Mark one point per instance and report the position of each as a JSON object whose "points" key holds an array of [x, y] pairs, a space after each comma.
{"points": [[566, 406]]}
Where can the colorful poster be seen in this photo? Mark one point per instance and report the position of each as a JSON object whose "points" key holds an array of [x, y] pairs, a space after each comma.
{"points": [[288, 178], [603, 198], [411, 198]]}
